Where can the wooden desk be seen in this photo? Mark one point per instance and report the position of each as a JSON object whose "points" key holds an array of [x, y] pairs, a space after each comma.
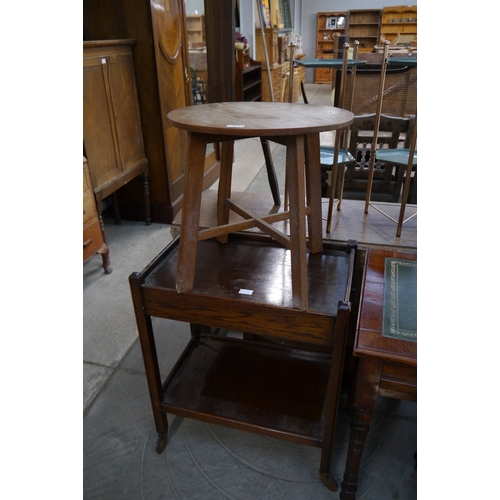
{"points": [[387, 366], [296, 126], [286, 387]]}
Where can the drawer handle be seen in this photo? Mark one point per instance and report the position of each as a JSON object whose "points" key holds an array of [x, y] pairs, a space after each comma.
{"points": [[87, 243]]}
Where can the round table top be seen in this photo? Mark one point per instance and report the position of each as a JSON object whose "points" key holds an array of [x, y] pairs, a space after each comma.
{"points": [[259, 119], [329, 63]]}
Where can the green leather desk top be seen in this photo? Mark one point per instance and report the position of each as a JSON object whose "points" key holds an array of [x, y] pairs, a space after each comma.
{"points": [[400, 299]]}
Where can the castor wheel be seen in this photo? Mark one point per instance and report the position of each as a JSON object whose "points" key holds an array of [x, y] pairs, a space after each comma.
{"points": [[328, 480], [161, 443]]}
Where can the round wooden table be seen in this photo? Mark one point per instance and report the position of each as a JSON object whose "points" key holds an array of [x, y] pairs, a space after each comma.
{"points": [[297, 127]]}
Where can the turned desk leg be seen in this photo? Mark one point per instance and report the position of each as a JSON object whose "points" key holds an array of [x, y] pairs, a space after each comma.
{"points": [[191, 204], [368, 380]]}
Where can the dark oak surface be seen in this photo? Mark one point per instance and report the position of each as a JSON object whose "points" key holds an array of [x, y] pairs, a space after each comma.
{"points": [[386, 366], [285, 384], [261, 119]]}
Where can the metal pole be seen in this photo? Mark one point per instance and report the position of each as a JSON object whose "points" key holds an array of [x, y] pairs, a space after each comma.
{"points": [[259, 10]]}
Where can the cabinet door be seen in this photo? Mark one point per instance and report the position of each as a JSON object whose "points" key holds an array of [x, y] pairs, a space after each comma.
{"points": [[112, 127], [173, 81]]}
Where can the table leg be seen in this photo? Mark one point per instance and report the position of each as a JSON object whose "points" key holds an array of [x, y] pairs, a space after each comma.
{"points": [[271, 172], [368, 380], [313, 190], [298, 246], [332, 396], [224, 192], [148, 347], [191, 203], [333, 180]]}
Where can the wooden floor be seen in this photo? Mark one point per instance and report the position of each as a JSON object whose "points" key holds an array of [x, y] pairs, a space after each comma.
{"points": [[372, 229]]}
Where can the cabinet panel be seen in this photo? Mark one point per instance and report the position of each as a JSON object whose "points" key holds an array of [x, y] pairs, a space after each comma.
{"points": [[112, 133], [128, 124], [97, 128]]}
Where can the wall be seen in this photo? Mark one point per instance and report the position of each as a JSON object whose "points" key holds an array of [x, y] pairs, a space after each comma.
{"points": [[194, 5]]}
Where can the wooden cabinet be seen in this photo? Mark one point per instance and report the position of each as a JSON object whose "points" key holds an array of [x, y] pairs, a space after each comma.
{"points": [[273, 92], [398, 24], [271, 43], [161, 63], [93, 238], [364, 26], [299, 75], [329, 26], [279, 68], [112, 133], [195, 28]]}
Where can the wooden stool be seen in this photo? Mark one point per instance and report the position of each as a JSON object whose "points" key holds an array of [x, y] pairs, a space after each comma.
{"points": [[296, 126]]}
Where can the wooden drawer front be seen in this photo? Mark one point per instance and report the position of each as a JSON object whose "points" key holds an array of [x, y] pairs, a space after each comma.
{"points": [[399, 381], [276, 82], [89, 208], [285, 90], [92, 239], [87, 183]]}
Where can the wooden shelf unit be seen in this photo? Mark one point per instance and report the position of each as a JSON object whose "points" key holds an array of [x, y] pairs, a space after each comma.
{"points": [[271, 38], [327, 29], [400, 21], [195, 28], [248, 81], [364, 26]]}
